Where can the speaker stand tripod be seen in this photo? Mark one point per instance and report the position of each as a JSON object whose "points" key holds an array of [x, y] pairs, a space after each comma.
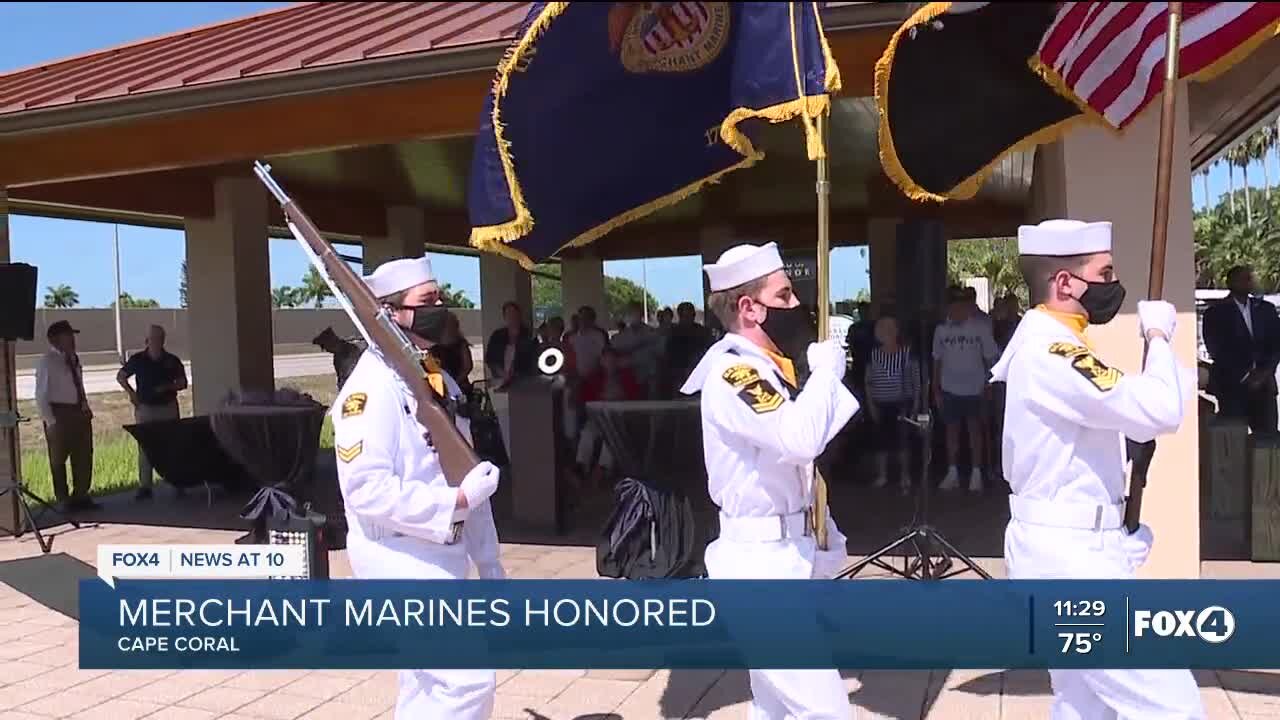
{"points": [[930, 555], [22, 497]]}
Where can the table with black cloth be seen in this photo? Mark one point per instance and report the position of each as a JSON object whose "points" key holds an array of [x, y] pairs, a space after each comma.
{"points": [[663, 517], [277, 445], [186, 453]]}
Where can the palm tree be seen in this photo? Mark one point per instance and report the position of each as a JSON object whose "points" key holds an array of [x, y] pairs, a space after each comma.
{"points": [[455, 298], [1258, 144], [284, 296], [1273, 132], [314, 288], [1231, 184], [61, 296], [129, 302], [1239, 155]]}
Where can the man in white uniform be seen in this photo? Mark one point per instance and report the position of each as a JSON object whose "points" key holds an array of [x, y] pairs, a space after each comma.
{"points": [[1066, 419], [405, 522], [760, 438]]}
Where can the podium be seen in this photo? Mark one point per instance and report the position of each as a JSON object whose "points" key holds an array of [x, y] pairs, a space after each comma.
{"points": [[533, 410]]}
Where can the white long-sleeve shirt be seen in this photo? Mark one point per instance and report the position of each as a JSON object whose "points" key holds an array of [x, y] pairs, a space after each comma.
{"points": [[390, 474], [55, 383], [1067, 414]]}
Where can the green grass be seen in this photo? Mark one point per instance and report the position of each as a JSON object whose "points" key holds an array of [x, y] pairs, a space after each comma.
{"points": [[326, 434], [115, 453], [115, 467]]}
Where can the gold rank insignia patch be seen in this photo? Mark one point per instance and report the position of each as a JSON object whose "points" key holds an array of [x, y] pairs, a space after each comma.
{"points": [[354, 404], [760, 396], [347, 454], [741, 375], [1090, 367]]}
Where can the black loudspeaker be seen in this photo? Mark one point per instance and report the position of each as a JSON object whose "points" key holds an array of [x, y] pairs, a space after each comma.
{"points": [[922, 267], [17, 301]]}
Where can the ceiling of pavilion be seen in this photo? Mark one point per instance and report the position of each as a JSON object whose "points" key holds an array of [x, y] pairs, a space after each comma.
{"points": [[433, 173]]}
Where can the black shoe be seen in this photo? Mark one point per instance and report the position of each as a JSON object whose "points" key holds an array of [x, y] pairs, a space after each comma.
{"points": [[143, 494]]}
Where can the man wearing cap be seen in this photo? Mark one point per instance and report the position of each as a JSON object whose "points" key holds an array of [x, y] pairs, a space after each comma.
{"points": [[404, 520], [761, 435], [1067, 415], [345, 353], [68, 421]]}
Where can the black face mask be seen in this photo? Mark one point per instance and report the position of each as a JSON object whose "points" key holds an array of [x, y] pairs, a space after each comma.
{"points": [[1101, 300], [430, 322], [792, 330]]}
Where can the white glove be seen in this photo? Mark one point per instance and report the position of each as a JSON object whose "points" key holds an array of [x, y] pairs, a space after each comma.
{"points": [[1138, 546], [1157, 315], [827, 355], [480, 484]]}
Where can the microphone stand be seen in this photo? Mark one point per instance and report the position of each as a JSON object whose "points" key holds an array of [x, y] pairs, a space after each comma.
{"points": [[930, 554]]}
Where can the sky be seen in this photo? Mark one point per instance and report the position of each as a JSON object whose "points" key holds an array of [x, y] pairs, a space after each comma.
{"points": [[150, 259]]}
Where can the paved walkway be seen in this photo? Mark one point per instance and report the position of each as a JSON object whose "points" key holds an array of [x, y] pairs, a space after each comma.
{"points": [[39, 677]]}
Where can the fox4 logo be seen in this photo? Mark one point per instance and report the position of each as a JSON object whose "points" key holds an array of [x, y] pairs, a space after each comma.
{"points": [[1214, 624]]}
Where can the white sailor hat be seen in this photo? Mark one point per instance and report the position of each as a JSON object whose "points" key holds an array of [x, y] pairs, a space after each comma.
{"points": [[1064, 238], [397, 275], [742, 264]]}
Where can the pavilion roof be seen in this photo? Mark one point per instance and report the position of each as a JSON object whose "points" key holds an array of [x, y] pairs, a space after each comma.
{"points": [[297, 38]]}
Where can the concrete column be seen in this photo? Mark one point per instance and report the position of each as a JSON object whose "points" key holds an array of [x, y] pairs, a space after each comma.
{"points": [[882, 243], [406, 238], [582, 283], [229, 318], [1101, 176], [713, 241], [9, 460], [502, 281]]}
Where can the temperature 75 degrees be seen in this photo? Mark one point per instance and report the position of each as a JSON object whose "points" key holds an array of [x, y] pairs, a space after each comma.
{"points": [[1080, 643]]}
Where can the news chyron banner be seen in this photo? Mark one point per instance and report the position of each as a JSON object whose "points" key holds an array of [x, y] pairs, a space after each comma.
{"points": [[574, 624]]}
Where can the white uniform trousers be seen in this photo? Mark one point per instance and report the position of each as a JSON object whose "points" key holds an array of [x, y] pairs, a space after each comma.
{"points": [[1039, 552], [781, 694], [425, 694]]}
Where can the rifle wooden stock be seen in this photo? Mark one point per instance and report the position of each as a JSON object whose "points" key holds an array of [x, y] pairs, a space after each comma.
{"points": [[457, 457]]}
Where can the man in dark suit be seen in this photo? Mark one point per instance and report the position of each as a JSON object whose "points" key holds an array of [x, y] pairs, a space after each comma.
{"points": [[1242, 334]]}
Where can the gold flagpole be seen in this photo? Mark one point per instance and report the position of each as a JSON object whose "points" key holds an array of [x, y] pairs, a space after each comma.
{"points": [[823, 188], [1159, 232]]}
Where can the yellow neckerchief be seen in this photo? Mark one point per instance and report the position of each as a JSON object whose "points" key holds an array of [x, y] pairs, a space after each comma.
{"points": [[1075, 323], [435, 377], [787, 367]]}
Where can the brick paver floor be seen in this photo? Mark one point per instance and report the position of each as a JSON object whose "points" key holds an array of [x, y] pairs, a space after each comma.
{"points": [[39, 677]]}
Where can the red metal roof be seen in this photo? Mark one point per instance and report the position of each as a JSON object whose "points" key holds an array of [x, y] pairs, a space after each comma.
{"points": [[303, 36]]}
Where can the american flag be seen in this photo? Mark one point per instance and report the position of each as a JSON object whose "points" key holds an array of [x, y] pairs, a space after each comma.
{"points": [[1110, 55]]}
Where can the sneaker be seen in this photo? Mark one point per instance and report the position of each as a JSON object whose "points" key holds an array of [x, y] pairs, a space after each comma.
{"points": [[143, 494], [881, 481], [975, 481], [951, 481], [904, 484]]}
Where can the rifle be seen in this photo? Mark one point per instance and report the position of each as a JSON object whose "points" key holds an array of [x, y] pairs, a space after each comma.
{"points": [[380, 331]]}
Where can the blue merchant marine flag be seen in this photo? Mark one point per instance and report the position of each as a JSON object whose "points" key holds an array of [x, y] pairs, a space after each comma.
{"points": [[602, 113]]}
